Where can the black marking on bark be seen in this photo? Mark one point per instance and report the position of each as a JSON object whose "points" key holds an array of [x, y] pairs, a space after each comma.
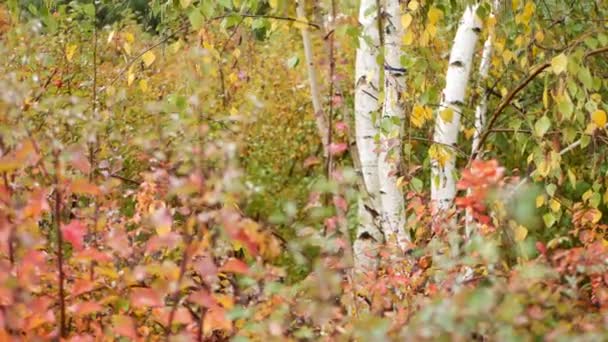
{"points": [[366, 236], [372, 211]]}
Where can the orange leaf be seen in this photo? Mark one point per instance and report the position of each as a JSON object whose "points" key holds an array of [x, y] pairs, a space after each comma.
{"points": [[235, 266], [83, 187], [124, 326], [143, 297], [81, 286], [85, 308]]}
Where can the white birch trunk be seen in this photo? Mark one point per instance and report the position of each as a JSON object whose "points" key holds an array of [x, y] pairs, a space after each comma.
{"points": [[389, 159], [317, 104], [482, 107], [367, 78], [443, 185]]}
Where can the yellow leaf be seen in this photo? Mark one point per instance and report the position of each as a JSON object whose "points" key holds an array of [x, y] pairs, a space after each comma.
{"points": [[148, 58], [439, 153], [185, 3], [447, 114], [520, 233], [596, 215], [127, 47], [129, 37], [539, 36], [143, 85], [69, 51], [468, 133], [554, 205], [176, 46], [599, 118], [406, 20], [528, 11], [540, 200], [130, 76], [413, 5], [273, 4], [572, 178], [559, 63], [420, 115], [233, 78], [434, 15], [408, 38]]}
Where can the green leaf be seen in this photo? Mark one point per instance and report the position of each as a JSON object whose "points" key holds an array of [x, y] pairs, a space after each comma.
{"points": [[542, 126], [565, 106], [225, 3], [417, 184], [550, 188], [196, 19], [549, 219], [584, 75], [293, 62]]}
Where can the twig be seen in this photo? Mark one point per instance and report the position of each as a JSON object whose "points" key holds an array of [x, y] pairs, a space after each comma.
{"points": [[265, 16], [510, 96], [57, 219], [455, 148]]}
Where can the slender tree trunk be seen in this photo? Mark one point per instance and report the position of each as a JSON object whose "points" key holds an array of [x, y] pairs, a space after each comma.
{"points": [[482, 107], [447, 122], [315, 93], [367, 80], [393, 209]]}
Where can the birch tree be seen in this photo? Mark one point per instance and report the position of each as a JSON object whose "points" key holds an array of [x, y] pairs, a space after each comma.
{"points": [[367, 78], [482, 107], [317, 104], [391, 132], [447, 122]]}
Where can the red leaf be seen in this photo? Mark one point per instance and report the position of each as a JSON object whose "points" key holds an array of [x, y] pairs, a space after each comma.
{"points": [[205, 266], [85, 308], [74, 233], [235, 266], [81, 286], [340, 202], [203, 298], [341, 126], [143, 297], [337, 148], [169, 240]]}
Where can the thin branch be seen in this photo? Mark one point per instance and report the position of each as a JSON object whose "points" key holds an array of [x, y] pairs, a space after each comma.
{"points": [[57, 224], [266, 16], [143, 52], [510, 96], [431, 141]]}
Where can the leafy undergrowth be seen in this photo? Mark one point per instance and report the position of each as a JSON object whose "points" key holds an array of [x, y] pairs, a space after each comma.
{"points": [[189, 266]]}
